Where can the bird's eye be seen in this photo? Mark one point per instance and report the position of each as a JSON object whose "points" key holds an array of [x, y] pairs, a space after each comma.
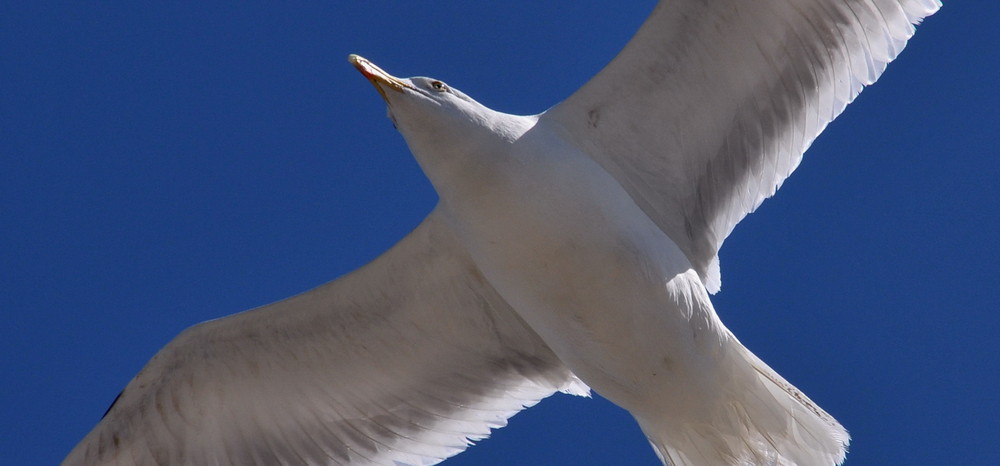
{"points": [[439, 86]]}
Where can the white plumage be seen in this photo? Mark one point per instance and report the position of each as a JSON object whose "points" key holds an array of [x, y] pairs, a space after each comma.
{"points": [[572, 248]]}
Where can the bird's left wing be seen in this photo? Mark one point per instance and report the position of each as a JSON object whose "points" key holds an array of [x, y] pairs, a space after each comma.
{"points": [[712, 103], [401, 362]]}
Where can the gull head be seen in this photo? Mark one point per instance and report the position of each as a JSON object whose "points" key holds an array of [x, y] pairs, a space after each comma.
{"points": [[421, 104], [445, 129]]}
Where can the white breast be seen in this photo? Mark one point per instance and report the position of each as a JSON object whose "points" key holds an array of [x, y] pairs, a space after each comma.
{"points": [[573, 254]]}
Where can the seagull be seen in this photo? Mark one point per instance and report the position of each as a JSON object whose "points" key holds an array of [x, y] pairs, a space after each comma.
{"points": [[571, 250]]}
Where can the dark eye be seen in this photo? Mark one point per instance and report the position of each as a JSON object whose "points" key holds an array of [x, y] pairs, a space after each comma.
{"points": [[439, 86]]}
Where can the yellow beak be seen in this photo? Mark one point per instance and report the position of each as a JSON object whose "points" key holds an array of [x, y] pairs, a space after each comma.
{"points": [[377, 76]]}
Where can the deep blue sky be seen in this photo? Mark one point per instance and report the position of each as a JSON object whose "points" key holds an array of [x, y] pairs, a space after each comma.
{"points": [[164, 165]]}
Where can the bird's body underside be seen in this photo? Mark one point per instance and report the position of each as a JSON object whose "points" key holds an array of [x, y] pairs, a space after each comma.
{"points": [[615, 298], [573, 248]]}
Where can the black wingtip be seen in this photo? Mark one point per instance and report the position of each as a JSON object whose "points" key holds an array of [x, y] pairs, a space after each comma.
{"points": [[113, 403]]}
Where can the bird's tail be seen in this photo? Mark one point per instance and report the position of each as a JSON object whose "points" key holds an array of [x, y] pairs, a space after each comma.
{"points": [[759, 419]]}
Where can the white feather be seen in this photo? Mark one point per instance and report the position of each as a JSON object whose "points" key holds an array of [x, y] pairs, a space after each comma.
{"points": [[405, 361], [711, 105]]}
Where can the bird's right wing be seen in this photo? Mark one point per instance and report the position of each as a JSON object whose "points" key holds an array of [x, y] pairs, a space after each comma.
{"points": [[710, 106], [401, 362]]}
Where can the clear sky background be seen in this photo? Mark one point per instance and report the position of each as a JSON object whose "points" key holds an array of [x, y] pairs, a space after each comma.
{"points": [[161, 165]]}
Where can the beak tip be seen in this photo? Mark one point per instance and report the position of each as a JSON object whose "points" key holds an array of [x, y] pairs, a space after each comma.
{"points": [[376, 75]]}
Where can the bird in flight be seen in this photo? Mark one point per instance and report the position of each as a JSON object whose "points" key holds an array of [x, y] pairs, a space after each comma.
{"points": [[571, 250]]}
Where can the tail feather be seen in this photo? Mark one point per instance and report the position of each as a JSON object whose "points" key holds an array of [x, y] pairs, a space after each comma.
{"points": [[760, 419]]}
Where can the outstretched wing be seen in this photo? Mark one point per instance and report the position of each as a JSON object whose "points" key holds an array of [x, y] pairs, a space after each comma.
{"points": [[401, 362], [710, 106]]}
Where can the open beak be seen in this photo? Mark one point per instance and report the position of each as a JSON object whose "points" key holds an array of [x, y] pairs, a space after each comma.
{"points": [[378, 77]]}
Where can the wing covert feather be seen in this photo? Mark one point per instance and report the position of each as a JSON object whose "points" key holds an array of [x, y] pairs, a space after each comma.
{"points": [[711, 105], [404, 361]]}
